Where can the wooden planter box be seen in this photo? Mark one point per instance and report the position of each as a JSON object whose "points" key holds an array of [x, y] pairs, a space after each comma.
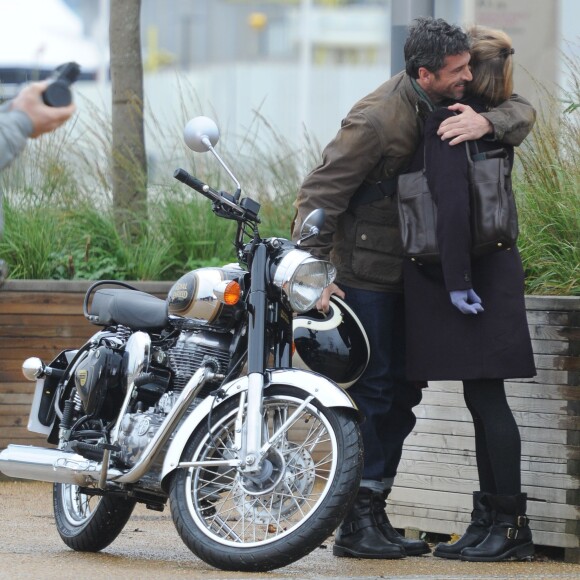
{"points": [[437, 474]]}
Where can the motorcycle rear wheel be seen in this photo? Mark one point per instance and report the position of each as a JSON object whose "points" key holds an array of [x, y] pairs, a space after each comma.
{"points": [[259, 524], [88, 523]]}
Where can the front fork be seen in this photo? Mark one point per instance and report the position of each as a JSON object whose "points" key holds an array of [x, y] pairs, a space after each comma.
{"points": [[252, 432]]}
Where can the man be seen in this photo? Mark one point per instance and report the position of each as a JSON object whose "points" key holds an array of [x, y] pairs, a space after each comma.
{"points": [[355, 184], [23, 117]]}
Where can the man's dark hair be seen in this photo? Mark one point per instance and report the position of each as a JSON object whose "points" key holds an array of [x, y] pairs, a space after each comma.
{"points": [[430, 40]]}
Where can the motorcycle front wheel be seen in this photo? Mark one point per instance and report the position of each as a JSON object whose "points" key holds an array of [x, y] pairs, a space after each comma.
{"points": [[88, 523], [271, 519]]}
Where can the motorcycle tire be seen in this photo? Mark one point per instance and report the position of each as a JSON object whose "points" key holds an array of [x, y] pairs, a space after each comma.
{"points": [[236, 523], [88, 523]]}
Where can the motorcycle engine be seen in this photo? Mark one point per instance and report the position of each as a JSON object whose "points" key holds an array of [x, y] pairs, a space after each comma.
{"points": [[137, 430], [192, 350]]}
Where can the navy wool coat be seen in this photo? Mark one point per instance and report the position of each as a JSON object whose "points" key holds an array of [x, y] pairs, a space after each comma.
{"points": [[443, 343]]}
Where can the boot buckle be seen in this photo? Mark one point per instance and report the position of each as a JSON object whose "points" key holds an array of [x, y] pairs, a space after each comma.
{"points": [[350, 528], [521, 521], [511, 533]]}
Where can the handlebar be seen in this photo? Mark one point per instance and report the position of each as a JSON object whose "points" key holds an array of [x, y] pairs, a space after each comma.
{"points": [[194, 183], [246, 209]]}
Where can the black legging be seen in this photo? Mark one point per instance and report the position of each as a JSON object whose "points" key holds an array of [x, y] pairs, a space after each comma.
{"points": [[497, 437]]}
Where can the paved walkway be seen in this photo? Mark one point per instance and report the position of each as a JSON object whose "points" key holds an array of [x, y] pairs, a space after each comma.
{"points": [[150, 548]]}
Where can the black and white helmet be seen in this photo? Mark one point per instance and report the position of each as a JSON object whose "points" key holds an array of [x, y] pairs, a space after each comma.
{"points": [[334, 344]]}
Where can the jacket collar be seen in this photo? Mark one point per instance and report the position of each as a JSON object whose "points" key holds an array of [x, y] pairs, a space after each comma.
{"points": [[423, 104]]}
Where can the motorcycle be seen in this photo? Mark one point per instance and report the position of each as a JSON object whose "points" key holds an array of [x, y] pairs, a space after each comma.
{"points": [[194, 401]]}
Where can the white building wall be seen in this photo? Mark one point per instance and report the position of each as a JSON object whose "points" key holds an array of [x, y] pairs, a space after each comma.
{"points": [[233, 95]]}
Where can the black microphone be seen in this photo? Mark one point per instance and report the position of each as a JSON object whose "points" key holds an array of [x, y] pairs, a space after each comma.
{"points": [[58, 93]]}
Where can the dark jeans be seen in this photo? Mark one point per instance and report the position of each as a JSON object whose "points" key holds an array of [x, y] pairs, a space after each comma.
{"points": [[382, 394]]}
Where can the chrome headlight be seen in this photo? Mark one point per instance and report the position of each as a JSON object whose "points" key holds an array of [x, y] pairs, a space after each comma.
{"points": [[302, 278]]}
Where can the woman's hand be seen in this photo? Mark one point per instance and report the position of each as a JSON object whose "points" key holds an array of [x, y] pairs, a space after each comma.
{"points": [[466, 301]]}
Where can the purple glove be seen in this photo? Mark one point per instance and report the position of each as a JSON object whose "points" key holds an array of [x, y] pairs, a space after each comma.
{"points": [[466, 301]]}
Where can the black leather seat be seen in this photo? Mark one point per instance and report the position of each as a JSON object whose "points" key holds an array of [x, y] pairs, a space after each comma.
{"points": [[132, 308]]}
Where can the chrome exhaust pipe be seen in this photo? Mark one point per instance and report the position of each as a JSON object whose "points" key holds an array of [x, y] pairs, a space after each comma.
{"points": [[57, 466], [193, 386], [54, 465]]}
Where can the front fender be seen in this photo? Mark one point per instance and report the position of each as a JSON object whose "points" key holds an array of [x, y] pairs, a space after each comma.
{"points": [[324, 390]]}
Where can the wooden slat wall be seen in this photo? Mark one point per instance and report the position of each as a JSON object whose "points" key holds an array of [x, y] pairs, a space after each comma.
{"points": [[438, 474]]}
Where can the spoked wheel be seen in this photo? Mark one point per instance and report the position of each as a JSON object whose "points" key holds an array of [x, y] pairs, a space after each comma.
{"points": [[307, 483], [88, 523]]}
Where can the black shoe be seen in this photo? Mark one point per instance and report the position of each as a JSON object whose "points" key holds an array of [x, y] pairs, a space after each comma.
{"points": [[411, 547], [476, 531], [359, 537], [510, 537]]}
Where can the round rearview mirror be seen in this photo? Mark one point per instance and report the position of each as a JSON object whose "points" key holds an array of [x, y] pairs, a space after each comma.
{"points": [[200, 134], [313, 223]]}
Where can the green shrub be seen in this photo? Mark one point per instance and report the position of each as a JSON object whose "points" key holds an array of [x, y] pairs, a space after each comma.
{"points": [[59, 220], [58, 226], [548, 194]]}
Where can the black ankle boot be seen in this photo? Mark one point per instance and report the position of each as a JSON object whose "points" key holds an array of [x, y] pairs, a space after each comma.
{"points": [[510, 537], [476, 531], [411, 547], [359, 537]]}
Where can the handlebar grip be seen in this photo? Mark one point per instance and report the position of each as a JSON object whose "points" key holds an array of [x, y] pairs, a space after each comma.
{"points": [[190, 181], [223, 198]]}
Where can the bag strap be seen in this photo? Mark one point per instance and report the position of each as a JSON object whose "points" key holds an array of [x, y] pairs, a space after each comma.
{"points": [[370, 192], [481, 155], [477, 156]]}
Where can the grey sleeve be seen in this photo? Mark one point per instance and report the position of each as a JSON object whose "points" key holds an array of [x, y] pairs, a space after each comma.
{"points": [[15, 128]]}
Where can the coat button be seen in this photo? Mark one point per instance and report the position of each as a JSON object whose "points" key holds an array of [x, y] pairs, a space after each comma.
{"points": [[363, 237], [466, 277]]}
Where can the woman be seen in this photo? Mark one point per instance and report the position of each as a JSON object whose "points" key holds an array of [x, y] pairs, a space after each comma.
{"points": [[466, 321]]}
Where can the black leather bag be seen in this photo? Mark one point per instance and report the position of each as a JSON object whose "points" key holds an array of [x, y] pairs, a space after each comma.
{"points": [[493, 213]]}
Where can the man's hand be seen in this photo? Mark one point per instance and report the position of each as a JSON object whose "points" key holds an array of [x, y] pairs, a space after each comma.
{"points": [[323, 304], [44, 118], [467, 126]]}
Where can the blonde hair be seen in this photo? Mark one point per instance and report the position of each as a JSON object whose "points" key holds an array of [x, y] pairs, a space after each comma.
{"points": [[491, 64]]}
